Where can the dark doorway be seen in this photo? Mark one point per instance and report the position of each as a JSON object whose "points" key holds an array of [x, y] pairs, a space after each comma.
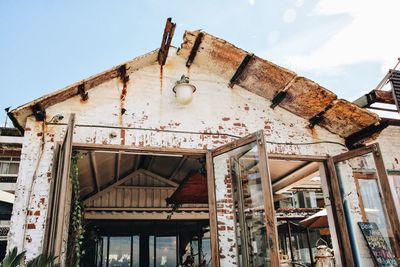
{"points": [[147, 243]]}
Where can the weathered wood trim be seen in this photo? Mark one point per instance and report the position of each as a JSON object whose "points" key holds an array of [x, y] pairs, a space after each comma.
{"points": [[388, 201], [269, 209], [146, 216], [64, 180], [141, 150], [342, 233], [212, 207], [353, 153], [240, 69], [166, 41], [168, 209], [234, 144], [298, 157], [194, 50], [53, 203]]}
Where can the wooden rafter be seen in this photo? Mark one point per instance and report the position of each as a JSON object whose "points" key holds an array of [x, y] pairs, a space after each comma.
{"points": [[93, 165], [166, 41], [117, 166], [178, 168], [126, 178]]}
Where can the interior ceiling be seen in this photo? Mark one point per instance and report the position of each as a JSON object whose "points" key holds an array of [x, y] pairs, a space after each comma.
{"points": [[280, 168], [97, 170]]}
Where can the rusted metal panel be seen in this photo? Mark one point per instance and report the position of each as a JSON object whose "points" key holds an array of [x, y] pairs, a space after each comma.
{"points": [[166, 42], [264, 78], [306, 98], [345, 118], [214, 53]]}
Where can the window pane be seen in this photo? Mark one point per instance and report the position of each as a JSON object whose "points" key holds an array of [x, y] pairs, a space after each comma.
{"points": [[135, 251], [361, 172], [166, 251], [13, 168], [4, 167], [104, 253], [151, 251], [119, 251]]}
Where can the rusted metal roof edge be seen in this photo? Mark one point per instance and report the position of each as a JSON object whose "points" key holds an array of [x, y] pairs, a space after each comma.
{"points": [[18, 115], [362, 114]]}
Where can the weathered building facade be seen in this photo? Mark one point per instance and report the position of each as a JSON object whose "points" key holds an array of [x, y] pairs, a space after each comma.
{"points": [[132, 109]]}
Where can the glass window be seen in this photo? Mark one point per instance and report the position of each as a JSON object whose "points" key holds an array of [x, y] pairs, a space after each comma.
{"points": [[9, 166], [166, 251], [363, 172], [242, 165], [135, 251], [119, 254]]}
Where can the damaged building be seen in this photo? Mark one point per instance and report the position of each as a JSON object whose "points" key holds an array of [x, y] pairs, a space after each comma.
{"points": [[203, 154]]}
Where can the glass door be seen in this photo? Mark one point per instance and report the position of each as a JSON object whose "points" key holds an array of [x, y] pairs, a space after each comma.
{"points": [[364, 169], [241, 169]]}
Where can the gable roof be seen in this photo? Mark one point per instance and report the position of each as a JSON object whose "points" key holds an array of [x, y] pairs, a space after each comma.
{"points": [[283, 87]]}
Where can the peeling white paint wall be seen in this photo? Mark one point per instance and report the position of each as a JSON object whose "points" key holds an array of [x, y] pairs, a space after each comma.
{"points": [[150, 104]]}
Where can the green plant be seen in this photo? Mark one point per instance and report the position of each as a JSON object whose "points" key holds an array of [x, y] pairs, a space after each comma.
{"points": [[77, 230], [42, 260], [13, 258]]}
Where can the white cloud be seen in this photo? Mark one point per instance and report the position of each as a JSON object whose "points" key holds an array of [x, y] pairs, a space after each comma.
{"points": [[273, 37], [370, 36], [289, 15], [299, 3], [252, 2]]}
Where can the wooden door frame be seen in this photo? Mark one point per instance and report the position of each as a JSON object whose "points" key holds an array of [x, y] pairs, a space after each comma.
{"points": [[270, 218], [384, 188]]}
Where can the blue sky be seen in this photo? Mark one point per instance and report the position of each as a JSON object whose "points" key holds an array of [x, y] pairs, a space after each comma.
{"points": [[344, 45]]}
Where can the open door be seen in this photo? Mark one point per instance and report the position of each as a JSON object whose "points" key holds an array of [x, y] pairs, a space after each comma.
{"points": [[364, 169], [58, 210], [241, 169]]}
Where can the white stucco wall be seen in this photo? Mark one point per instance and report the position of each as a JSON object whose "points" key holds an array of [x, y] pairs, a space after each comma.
{"points": [[150, 104]]}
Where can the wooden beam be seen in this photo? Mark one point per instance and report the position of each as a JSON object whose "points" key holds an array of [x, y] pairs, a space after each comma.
{"points": [[353, 140], [141, 150], [39, 112], [146, 216], [166, 42], [177, 169], [336, 200], [194, 50], [319, 117], [159, 178], [117, 166], [212, 210], [294, 177], [280, 96], [93, 166], [112, 186], [240, 69], [168, 209], [82, 92]]}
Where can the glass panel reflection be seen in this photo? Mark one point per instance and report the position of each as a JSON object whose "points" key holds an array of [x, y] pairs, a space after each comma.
{"points": [[242, 166], [165, 251], [362, 172], [119, 251]]}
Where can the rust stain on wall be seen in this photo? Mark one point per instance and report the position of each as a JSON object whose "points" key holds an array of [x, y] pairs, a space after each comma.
{"points": [[124, 79], [161, 78]]}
